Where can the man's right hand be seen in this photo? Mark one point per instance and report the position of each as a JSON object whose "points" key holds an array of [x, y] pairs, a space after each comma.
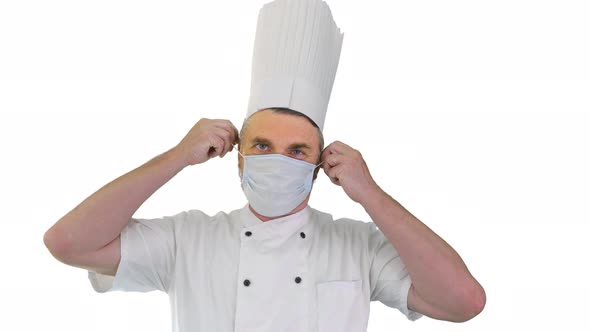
{"points": [[207, 139]]}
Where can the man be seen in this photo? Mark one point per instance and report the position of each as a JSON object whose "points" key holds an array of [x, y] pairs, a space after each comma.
{"points": [[276, 264]]}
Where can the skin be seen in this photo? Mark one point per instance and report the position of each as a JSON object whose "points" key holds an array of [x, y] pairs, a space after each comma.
{"points": [[442, 286], [89, 236], [273, 133]]}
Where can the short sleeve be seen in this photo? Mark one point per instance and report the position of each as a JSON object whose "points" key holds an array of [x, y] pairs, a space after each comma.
{"points": [[389, 279], [148, 252]]}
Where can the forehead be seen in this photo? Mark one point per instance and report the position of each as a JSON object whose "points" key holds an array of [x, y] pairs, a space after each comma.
{"points": [[280, 127]]}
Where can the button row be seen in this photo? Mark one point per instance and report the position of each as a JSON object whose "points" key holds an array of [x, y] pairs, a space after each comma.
{"points": [[247, 281], [248, 233]]}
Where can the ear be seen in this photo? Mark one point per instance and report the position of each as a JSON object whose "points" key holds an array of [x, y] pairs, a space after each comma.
{"points": [[315, 173]]}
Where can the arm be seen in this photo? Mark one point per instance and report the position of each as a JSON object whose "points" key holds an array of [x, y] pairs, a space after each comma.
{"points": [[442, 286], [89, 235]]}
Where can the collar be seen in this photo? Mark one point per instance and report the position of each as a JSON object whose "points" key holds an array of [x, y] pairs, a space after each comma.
{"points": [[279, 228]]}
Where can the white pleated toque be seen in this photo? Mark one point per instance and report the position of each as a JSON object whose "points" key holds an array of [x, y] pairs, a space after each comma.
{"points": [[296, 54]]}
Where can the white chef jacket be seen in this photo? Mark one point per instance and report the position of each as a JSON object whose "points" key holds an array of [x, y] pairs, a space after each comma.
{"points": [[232, 272]]}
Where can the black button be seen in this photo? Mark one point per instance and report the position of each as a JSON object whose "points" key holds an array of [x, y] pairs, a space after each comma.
{"points": [[297, 280], [248, 233], [246, 282], [302, 235]]}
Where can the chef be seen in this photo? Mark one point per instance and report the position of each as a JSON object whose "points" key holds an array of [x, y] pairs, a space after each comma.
{"points": [[276, 264]]}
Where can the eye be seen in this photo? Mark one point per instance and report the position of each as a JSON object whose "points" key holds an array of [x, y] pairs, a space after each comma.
{"points": [[261, 146], [298, 152]]}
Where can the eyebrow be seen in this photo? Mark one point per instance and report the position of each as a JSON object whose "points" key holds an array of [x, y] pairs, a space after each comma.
{"points": [[299, 146], [292, 146], [261, 140]]}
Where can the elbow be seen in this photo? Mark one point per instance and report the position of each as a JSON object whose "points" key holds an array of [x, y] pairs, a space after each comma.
{"points": [[473, 302], [57, 244]]}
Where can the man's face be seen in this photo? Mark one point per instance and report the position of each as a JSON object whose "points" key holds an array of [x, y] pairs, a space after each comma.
{"points": [[268, 132]]}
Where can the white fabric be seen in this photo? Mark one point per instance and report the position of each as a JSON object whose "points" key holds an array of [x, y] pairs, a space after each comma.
{"points": [[296, 54], [275, 184], [202, 262]]}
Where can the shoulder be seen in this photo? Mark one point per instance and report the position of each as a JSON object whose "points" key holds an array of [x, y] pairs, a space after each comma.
{"points": [[342, 240], [188, 218], [325, 219], [343, 227]]}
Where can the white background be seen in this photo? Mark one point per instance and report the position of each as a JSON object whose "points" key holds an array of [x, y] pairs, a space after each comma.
{"points": [[473, 114]]}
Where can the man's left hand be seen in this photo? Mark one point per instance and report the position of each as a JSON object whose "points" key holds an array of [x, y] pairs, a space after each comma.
{"points": [[346, 167]]}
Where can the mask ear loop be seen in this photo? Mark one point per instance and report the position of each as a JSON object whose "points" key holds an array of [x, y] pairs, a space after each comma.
{"points": [[320, 164], [235, 147]]}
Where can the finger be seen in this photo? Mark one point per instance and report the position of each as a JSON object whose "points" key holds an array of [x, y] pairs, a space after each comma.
{"points": [[325, 166], [217, 141], [236, 133], [227, 125], [333, 174], [228, 132], [339, 147], [334, 148], [334, 159], [327, 151], [226, 137], [216, 145], [233, 138]]}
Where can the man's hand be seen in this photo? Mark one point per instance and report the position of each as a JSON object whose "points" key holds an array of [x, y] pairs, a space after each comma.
{"points": [[346, 167], [451, 293], [207, 139]]}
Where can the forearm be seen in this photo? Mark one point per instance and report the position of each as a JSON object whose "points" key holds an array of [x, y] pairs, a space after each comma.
{"points": [[438, 273], [100, 218]]}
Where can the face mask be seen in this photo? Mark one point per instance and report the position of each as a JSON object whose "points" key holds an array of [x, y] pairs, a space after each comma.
{"points": [[275, 184]]}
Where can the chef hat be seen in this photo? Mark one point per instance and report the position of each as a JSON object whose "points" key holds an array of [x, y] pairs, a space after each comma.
{"points": [[296, 53]]}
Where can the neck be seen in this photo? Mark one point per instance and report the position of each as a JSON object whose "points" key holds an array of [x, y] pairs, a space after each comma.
{"points": [[297, 209]]}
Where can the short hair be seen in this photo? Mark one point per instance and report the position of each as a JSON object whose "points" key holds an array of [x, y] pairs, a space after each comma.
{"points": [[284, 110]]}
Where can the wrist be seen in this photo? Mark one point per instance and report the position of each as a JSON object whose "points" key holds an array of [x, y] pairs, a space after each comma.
{"points": [[373, 197], [176, 158], [381, 206]]}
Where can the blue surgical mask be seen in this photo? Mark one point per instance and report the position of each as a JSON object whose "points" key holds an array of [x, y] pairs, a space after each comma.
{"points": [[275, 184]]}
